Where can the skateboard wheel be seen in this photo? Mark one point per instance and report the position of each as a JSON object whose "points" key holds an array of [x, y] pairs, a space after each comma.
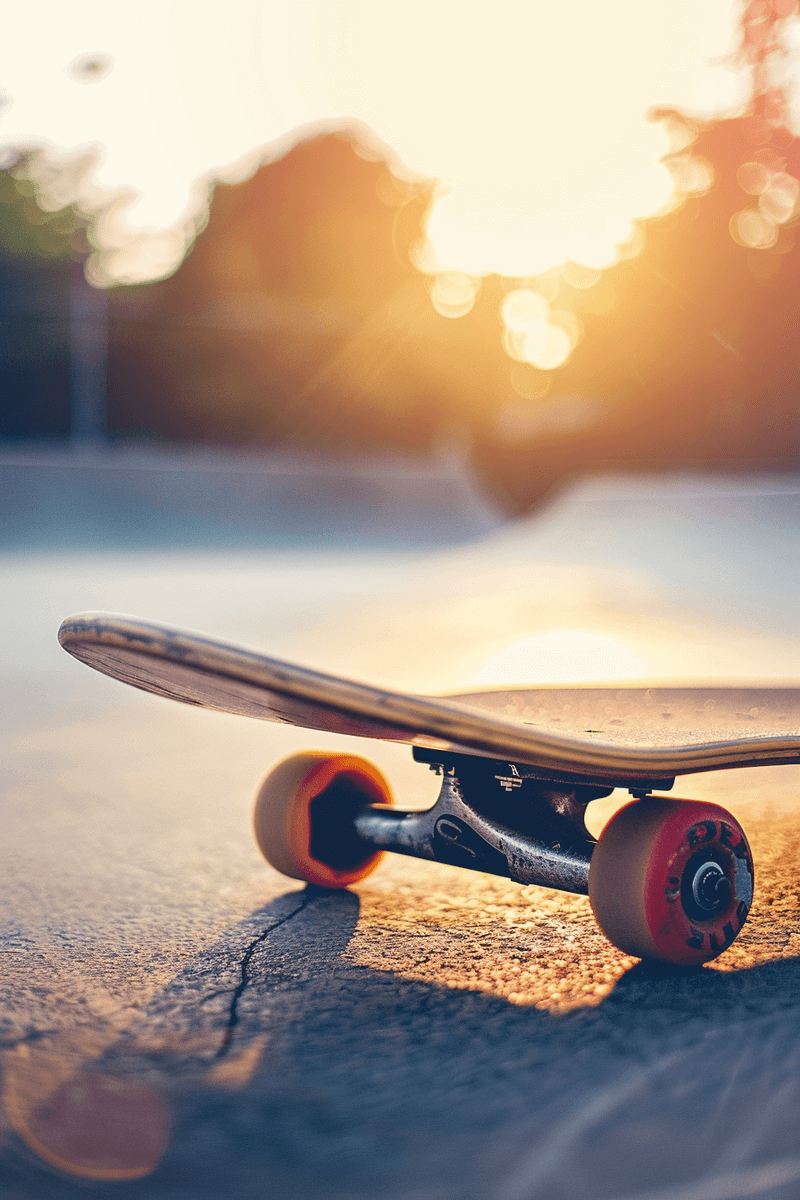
{"points": [[303, 817], [671, 880]]}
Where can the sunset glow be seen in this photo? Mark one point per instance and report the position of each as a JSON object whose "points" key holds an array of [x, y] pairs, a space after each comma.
{"points": [[561, 656], [532, 116]]}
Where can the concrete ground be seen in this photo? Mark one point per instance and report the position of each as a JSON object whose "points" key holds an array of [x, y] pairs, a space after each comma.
{"points": [[179, 1020]]}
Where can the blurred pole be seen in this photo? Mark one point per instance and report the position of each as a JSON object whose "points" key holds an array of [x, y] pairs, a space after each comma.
{"points": [[88, 350]]}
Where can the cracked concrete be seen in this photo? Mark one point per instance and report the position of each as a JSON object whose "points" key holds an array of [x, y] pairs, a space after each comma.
{"points": [[233, 1011], [362, 1081]]}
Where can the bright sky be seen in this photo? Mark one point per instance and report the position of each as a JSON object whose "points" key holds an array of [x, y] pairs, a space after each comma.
{"points": [[561, 656], [532, 113]]}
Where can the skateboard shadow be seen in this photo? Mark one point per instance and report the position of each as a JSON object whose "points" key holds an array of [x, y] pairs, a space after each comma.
{"points": [[291, 1070]]}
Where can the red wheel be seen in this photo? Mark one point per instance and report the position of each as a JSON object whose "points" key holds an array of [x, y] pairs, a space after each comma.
{"points": [[303, 817], [671, 880]]}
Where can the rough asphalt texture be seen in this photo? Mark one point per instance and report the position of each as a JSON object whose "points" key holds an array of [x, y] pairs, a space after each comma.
{"points": [[432, 1033]]}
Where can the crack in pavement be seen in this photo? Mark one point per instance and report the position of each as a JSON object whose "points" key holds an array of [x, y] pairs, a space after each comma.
{"points": [[233, 1010]]}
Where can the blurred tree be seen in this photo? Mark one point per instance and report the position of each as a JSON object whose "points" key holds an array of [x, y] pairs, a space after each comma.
{"points": [[299, 319], [690, 354], [34, 303], [691, 357], [294, 319]]}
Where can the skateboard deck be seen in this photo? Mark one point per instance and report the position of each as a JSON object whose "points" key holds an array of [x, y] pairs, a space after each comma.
{"points": [[625, 735]]}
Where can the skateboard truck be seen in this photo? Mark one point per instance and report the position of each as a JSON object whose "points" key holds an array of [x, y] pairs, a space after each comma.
{"points": [[498, 817], [492, 817]]}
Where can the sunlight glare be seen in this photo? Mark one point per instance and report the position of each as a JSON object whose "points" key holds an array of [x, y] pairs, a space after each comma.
{"points": [[751, 228], [533, 117], [522, 309], [535, 335], [561, 656], [453, 294]]}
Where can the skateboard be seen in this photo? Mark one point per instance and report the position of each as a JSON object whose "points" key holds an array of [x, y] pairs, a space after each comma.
{"points": [[670, 879]]}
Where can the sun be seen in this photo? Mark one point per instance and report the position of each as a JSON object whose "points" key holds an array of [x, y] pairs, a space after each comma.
{"points": [[531, 116], [561, 656]]}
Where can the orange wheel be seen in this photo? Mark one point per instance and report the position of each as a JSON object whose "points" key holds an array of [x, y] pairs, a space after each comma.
{"points": [[303, 817], [671, 880]]}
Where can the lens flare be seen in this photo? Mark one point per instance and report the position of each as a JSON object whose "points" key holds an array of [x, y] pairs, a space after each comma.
{"points": [[753, 178], [579, 276], [523, 309], [778, 200], [530, 383], [693, 176], [569, 323], [453, 294], [547, 348], [532, 116], [752, 229], [534, 334]]}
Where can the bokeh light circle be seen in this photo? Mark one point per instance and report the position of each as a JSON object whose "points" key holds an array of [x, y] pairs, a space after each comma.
{"points": [[778, 201], [752, 229], [453, 294], [547, 347], [522, 309]]}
